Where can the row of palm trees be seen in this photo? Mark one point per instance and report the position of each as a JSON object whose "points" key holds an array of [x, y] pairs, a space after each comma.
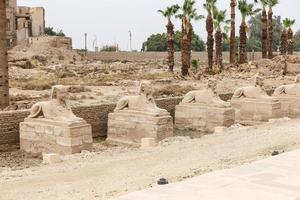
{"points": [[217, 26]]}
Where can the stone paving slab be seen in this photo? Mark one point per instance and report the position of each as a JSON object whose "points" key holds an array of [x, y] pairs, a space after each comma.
{"points": [[275, 178]]}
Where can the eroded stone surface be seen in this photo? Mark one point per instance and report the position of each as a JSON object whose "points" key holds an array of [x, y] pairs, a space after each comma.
{"points": [[138, 117], [203, 110], [252, 104], [53, 128], [289, 97]]}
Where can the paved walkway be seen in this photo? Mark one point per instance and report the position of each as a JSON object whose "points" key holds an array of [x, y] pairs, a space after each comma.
{"points": [[276, 178]]}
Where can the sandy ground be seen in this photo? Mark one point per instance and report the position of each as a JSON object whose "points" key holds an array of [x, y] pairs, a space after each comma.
{"points": [[117, 170]]}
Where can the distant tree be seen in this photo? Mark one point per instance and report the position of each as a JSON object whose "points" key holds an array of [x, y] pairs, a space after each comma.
{"points": [[50, 31], [158, 42], [109, 48], [169, 13]]}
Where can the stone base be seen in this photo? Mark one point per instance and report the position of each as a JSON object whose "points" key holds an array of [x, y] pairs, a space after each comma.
{"points": [[249, 111], [202, 117], [46, 136], [129, 127], [290, 106]]}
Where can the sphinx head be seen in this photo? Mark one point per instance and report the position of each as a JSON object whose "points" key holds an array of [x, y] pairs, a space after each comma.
{"points": [[212, 84], [60, 93], [258, 81], [146, 88], [297, 79]]}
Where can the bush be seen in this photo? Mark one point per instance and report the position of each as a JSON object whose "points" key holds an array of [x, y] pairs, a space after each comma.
{"points": [[109, 48]]}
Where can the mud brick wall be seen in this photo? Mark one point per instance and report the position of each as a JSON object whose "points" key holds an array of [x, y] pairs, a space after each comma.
{"points": [[96, 115], [9, 126]]}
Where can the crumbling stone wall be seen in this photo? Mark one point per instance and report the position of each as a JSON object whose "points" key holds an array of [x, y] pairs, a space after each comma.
{"points": [[95, 115]]}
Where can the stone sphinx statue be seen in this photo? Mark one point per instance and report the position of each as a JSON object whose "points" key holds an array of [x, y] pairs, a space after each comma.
{"points": [[254, 92], [291, 89], [57, 108], [207, 96], [143, 102]]}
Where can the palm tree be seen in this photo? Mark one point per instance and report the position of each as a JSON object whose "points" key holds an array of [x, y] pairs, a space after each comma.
{"points": [[284, 37], [169, 13], [271, 4], [288, 23], [264, 26], [232, 32], [210, 7], [219, 19], [188, 14], [4, 89], [246, 10]]}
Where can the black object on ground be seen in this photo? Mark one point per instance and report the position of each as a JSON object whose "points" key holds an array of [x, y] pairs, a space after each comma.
{"points": [[162, 181], [275, 153]]}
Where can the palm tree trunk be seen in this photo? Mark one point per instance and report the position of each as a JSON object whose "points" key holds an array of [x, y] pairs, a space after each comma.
{"points": [[270, 35], [170, 39], [264, 40], [290, 37], [219, 60], [4, 89], [232, 32], [186, 46], [210, 41], [283, 42], [243, 43]]}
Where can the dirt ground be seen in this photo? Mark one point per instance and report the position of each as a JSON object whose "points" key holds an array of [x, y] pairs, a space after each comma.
{"points": [[113, 171]]}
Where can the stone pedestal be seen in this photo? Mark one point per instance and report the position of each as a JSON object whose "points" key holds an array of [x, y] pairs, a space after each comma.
{"points": [[290, 106], [47, 136], [129, 127], [252, 111], [202, 117]]}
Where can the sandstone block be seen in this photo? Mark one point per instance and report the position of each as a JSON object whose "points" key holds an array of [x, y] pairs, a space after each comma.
{"points": [[51, 158], [220, 129], [129, 127], [202, 117], [290, 106], [148, 143], [56, 137], [251, 111]]}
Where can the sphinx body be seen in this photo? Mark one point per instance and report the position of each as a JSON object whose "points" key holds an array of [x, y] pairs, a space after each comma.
{"points": [[56, 109], [137, 117], [252, 104], [291, 89], [143, 102], [203, 110], [52, 127]]}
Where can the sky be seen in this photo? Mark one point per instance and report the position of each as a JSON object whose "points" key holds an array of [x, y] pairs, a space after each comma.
{"points": [[108, 22]]}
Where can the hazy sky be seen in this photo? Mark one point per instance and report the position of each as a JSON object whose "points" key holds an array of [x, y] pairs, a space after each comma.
{"points": [[111, 20]]}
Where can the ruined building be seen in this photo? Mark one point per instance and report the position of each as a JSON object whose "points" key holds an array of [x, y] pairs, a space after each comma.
{"points": [[23, 22]]}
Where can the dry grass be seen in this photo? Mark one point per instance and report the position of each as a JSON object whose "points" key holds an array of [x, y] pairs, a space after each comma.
{"points": [[173, 90]]}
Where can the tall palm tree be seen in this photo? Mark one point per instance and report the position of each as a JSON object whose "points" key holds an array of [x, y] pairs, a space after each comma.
{"points": [[169, 13], [189, 13], [284, 44], [4, 89], [288, 23], [210, 7], [246, 9], [264, 26], [219, 20], [271, 4], [232, 31]]}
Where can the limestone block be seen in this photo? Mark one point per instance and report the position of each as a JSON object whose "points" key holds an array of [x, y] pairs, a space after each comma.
{"points": [[148, 143], [51, 158], [129, 127], [220, 129], [290, 106], [38, 135], [202, 117], [251, 111]]}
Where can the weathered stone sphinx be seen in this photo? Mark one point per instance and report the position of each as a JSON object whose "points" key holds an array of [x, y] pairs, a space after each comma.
{"points": [[203, 110], [289, 97], [137, 117], [52, 127], [252, 104]]}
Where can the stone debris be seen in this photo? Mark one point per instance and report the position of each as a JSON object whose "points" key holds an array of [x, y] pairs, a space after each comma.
{"points": [[51, 158]]}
